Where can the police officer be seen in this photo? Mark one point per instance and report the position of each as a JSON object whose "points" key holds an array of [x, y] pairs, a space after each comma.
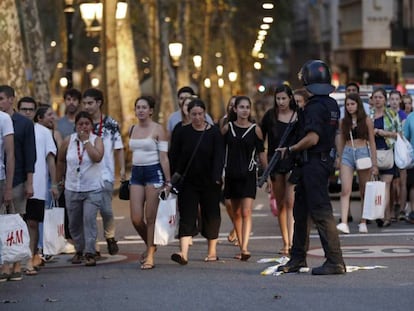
{"points": [[320, 124]]}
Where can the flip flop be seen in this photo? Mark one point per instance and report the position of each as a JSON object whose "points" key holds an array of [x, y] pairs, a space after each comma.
{"points": [[31, 272], [211, 259], [147, 266], [245, 256], [179, 259]]}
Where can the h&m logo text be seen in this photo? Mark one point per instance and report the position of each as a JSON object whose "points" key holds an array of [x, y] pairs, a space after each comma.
{"points": [[14, 237]]}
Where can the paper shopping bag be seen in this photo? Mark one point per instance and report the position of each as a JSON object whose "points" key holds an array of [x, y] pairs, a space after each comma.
{"points": [[166, 221], [14, 239], [54, 231], [374, 200]]}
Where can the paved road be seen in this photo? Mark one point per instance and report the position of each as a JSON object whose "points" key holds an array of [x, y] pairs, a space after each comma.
{"points": [[118, 284]]}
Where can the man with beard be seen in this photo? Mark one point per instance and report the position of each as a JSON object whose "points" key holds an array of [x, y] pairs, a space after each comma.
{"points": [[66, 124]]}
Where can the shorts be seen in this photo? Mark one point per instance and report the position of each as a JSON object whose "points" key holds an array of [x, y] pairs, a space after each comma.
{"points": [[35, 210], [147, 175], [19, 199], [348, 157]]}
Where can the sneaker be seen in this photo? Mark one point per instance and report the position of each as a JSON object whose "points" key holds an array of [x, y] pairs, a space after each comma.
{"points": [[69, 248], [4, 277], [90, 260], [344, 228], [112, 246], [77, 258], [15, 276], [363, 228]]}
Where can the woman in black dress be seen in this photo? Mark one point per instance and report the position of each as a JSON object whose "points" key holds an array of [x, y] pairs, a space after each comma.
{"points": [[243, 141], [274, 124], [202, 181]]}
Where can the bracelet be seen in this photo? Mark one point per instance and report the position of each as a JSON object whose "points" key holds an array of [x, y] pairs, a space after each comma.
{"points": [[85, 142]]}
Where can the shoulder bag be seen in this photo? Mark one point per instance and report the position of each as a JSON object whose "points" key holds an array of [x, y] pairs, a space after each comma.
{"points": [[361, 163], [177, 179]]}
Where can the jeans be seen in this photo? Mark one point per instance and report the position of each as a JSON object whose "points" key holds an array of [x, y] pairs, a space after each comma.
{"points": [[106, 210], [82, 209]]}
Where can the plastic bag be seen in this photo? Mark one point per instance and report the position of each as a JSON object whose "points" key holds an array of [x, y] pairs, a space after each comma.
{"points": [[54, 231], [14, 239], [403, 153], [166, 220], [374, 200]]}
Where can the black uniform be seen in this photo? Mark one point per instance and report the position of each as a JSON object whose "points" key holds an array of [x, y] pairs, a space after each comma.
{"points": [[312, 200]]}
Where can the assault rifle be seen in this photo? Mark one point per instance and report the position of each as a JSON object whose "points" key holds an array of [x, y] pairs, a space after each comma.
{"points": [[276, 156]]}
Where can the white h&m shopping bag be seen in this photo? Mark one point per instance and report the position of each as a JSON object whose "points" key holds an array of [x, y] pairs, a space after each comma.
{"points": [[14, 239], [374, 200], [54, 231], [166, 220]]}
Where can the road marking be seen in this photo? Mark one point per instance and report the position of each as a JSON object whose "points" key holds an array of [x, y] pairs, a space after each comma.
{"points": [[370, 251]]}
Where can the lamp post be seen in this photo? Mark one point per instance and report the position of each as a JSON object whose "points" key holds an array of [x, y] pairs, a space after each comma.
{"points": [[232, 79], [175, 49], [69, 11]]}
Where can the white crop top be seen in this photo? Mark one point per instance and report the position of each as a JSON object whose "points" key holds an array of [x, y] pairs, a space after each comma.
{"points": [[145, 151]]}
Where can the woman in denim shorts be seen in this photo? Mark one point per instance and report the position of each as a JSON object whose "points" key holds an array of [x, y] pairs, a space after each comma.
{"points": [[356, 141], [150, 173]]}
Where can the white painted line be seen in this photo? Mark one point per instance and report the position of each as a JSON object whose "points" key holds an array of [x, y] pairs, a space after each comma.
{"points": [[258, 207]]}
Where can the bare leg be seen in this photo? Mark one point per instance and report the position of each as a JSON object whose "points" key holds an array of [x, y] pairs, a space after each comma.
{"points": [[151, 207], [137, 210], [246, 209]]}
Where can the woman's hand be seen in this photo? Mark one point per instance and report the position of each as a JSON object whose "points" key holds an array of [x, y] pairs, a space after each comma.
{"points": [[374, 170], [83, 135]]}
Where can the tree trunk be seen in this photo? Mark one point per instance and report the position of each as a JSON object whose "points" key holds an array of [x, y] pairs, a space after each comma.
{"points": [[12, 69], [110, 61], [37, 54], [127, 73], [183, 36]]}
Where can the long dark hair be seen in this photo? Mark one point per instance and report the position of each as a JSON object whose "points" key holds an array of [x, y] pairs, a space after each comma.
{"points": [[362, 128], [232, 114], [283, 89], [41, 111]]}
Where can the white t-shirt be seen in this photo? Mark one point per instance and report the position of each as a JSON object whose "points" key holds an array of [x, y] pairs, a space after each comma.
{"points": [[112, 140], [6, 128], [89, 176], [45, 145]]}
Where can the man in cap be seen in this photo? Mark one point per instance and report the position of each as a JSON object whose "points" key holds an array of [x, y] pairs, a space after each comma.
{"points": [[319, 127]]}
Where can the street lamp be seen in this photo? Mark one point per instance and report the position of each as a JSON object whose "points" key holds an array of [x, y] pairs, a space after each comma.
{"points": [[219, 70], [197, 60], [232, 79], [175, 49], [69, 11]]}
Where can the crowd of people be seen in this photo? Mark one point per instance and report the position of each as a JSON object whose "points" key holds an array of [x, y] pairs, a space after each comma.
{"points": [[72, 160]]}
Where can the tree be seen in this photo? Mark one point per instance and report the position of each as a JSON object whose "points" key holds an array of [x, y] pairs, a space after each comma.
{"points": [[12, 69], [36, 56]]}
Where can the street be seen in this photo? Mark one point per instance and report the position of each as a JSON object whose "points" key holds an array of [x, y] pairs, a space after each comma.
{"points": [[117, 283]]}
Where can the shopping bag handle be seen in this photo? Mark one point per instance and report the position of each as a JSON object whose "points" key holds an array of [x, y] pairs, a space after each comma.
{"points": [[53, 203]]}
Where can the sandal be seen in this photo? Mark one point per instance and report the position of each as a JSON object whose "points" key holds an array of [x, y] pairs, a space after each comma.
{"points": [[283, 251], [211, 259], [31, 271], [245, 256], [237, 256], [147, 266], [179, 259]]}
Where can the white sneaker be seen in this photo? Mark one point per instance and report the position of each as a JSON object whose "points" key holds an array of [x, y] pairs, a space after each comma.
{"points": [[344, 228], [363, 227], [69, 248]]}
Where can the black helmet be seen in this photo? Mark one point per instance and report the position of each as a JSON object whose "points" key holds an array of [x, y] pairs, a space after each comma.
{"points": [[316, 77]]}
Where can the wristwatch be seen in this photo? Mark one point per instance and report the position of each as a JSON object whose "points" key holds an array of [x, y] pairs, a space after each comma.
{"points": [[85, 142]]}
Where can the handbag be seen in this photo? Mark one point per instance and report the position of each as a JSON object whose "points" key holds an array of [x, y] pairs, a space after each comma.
{"points": [[273, 204], [403, 153], [385, 159], [166, 220], [124, 190], [54, 230], [177, 179], [361, 163], [14, 239], [374, 200]]}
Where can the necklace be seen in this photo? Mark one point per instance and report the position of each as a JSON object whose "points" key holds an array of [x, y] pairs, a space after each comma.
{"points": [[80, 155]]}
